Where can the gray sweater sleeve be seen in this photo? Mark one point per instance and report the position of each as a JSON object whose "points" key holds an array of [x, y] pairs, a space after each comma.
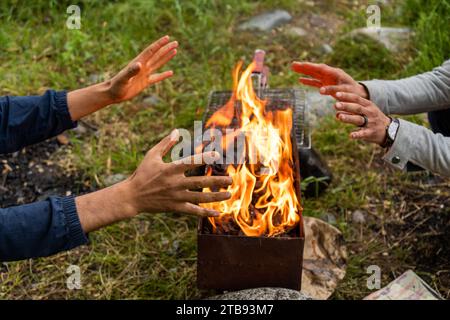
{"points": [[420, 146], [422, 93], [429, 91]]}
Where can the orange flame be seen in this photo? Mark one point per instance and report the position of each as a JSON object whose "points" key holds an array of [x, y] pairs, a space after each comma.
{"points": [[264, 200]]}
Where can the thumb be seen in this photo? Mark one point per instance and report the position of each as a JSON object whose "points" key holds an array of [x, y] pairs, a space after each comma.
{"points": [[166, 144], [130, 72]]}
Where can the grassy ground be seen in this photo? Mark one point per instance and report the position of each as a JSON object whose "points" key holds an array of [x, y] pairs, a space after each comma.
{"points": [[154, 256]]}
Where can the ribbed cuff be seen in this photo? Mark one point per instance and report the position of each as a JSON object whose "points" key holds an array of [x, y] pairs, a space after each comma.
{"points": [[77, 236], [63, 110]]}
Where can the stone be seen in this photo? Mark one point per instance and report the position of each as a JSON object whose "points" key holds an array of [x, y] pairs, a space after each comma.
{"points": [[326, 48], [175, 247], [63, 139], [263, 294], [296, 31], [114, 178], [267, 21], [80, 130], [329, 218], [394, 39], [150, 101], [359, 217], [95, 78], [319, 106]]}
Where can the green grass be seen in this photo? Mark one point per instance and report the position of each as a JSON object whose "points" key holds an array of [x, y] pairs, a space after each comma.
{"points": [[154, 256]]}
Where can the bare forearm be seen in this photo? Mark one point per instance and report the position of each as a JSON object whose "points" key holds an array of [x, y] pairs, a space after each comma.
{"points": [[85, 101], [105, 207]]}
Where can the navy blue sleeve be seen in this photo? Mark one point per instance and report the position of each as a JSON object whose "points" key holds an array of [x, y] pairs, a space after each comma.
{"points": [[40, 229], [28, 120]]}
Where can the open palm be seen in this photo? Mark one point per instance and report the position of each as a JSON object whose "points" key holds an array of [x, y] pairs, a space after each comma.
{"points": [[330, 80], [141, 71]]}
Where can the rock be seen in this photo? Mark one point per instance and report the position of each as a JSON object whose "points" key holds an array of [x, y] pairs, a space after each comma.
{"points": [[319, 106], [263, 294], [267, 21], [63, 139], [150, 101], [326, 48], [175, 247], [95, 78], [358, 216], [296, 31], [329, 218], [84, 128], [114, 178], [394, 39], [80, 130]]}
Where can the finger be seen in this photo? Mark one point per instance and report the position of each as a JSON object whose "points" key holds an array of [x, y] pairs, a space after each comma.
{"points": [[331, 90], [161, 53], [153, 48], [166, 144], [351, 97], [361, 134], [357, 120], [311, 82], [193, 209], [314, 70], [350, 108], [196, 160], [193, 183], [203, 197], [158, 77], [159, 63], [129, 72]]}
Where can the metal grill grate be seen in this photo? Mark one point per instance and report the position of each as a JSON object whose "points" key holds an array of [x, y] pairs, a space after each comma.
{"points": [[278, 99]]}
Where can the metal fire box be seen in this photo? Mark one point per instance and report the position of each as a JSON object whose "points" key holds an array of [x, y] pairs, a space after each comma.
{"points": [[235, 262]]}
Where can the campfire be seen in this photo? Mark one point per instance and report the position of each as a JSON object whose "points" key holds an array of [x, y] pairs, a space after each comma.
{"points": [[258, 238], [264, 201]]}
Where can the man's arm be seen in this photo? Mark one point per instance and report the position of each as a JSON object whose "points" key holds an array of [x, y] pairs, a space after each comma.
{"points": [[129, 82], [40, 229], [28, 120], [413, 143], [58, 224], [425, 92], [420, 146]]}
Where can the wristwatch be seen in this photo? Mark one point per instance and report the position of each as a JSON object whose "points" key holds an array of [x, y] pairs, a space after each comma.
{"points": [[391, 132]]}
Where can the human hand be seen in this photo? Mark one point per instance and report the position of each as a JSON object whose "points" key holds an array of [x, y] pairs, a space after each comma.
{"points": [[330, 80], [352, 109], [140, 72], [157, 186]]}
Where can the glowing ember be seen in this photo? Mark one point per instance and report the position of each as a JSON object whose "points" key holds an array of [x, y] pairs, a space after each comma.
{"points": [[264, 200]]}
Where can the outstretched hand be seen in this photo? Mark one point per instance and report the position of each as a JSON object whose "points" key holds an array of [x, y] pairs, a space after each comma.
{"points": [[155, 186], [158, 186], [330, 80], [372, 122], [141, 71]]}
